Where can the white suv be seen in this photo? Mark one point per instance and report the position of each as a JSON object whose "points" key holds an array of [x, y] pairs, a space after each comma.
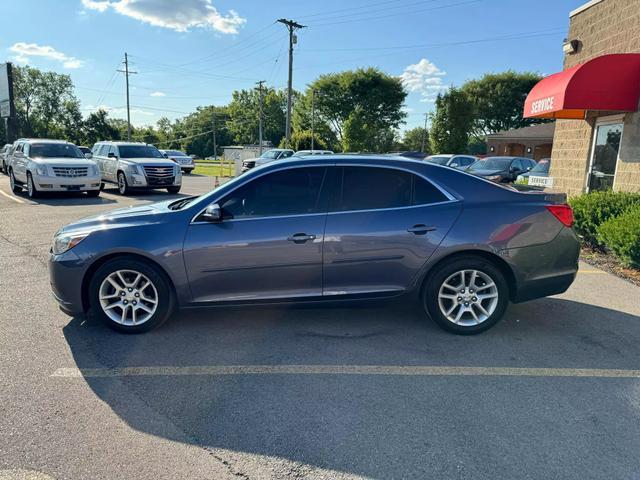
{"points": [[52, 166], [133, 165]]}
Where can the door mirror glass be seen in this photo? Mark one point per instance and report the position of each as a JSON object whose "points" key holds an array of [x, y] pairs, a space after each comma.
{"points": [[111, 155], [165, 155], [88, 155], [212, 213]]}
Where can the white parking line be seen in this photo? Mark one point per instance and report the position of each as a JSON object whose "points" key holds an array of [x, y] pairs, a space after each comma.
{"points": [[429, 371], [11, 197]]}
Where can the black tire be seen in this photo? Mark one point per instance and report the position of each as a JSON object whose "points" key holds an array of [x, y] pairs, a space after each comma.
{"points": [[431, 291], [32, 191], [123, 185], [101, 186], [4, 168], [173, 190], [15, 187], [165, 294], [93, 193]]}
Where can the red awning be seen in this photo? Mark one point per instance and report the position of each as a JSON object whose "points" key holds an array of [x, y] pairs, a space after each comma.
{"points": [[606, 83]]}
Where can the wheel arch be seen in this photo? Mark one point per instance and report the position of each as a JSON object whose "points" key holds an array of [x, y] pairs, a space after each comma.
{"points": [[88, 275], [495, 259]]}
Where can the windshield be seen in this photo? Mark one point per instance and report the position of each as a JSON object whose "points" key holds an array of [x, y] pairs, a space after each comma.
{"points": [[175, 153], [541, 167], [54, 150], [439, 160], [272, 154], [493, 163], [139, 151]]}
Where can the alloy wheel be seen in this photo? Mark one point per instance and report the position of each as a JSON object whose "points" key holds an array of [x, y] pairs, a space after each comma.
{"points": [[128, 297], [122, 184], [468, 297], [30, 185]]}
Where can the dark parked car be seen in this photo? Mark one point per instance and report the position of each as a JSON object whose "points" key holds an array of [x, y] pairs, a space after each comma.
{"points": [[322, 229], [462, 161], [442, 159], [501, 169]]}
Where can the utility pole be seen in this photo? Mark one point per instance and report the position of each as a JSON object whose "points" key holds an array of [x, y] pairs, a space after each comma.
{"points": [[291, 26], [126, 74], [313, 118], [261, 114], [213, 128], [424, 134]]}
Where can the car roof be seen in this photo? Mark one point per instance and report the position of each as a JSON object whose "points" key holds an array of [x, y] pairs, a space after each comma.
{"points": [[45, 140], [118, 142]]}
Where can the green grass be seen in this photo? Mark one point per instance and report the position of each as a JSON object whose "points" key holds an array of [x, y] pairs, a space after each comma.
{"points": [[213, 170]]}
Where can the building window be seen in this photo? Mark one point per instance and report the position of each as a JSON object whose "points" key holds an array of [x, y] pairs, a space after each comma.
{"points": [[604, 156]]}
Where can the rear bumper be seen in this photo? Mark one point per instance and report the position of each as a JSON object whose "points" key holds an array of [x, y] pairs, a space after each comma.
{"points": [[547, 269]]}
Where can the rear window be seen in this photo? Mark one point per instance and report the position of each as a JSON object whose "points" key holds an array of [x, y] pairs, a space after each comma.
{"points": [[492, 163], [54, 150]]}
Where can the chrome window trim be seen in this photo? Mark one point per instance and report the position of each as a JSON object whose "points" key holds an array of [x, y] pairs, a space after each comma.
{"points": [[449, 196]]}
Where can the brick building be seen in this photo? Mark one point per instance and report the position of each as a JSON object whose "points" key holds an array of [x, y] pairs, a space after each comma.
{"points": [[535, 141], [595, 100]]}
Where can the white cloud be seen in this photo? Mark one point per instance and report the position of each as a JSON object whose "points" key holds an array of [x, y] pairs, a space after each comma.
{"points": [[179, 15], [424, 77], [23, 51], [158, 94], [115, 111]]}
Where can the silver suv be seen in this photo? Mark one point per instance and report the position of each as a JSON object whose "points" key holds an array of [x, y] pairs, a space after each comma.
{"points": [[132, 165], [51, 166], [4, 153]]}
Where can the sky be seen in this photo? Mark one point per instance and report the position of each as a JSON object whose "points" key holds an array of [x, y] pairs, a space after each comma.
{"points": [[197, 52]]}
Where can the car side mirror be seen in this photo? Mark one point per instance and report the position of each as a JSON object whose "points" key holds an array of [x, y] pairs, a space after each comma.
{"points": [[212, 213], [88, 155], [111, 155], [165, 155]]}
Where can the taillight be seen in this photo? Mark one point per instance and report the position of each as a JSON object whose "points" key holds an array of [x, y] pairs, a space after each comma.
{"points": [[562, 213]]}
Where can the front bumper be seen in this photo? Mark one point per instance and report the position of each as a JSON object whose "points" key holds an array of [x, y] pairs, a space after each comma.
{"points": [[136, 180], [66, 184], [66, 272]]}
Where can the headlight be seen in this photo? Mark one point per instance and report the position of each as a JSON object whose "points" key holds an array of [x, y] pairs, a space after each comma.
{"points": [[94, 170], [177, 170], [63, 242], [133, 168], [41, 170]]}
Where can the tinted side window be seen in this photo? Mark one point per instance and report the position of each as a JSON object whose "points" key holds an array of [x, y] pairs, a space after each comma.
{"points": [[425, 192], [517, 164], [365, 188], [289, 192]]}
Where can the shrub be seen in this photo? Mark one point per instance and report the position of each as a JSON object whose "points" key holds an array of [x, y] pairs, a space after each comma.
{"points": [[593, 209], [621, 235]]}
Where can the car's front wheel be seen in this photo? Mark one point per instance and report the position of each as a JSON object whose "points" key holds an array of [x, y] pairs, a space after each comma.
{"points": [[32, 191], [466, 295], [131, 295], [123, 185]]}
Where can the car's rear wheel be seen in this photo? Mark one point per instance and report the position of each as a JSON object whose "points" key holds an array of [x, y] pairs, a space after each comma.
{"points": [[131, 295], [15, 188], [466, 295], [123, 186], [32, 191]]}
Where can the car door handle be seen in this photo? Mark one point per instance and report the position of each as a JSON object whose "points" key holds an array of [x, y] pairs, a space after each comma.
{"points": [[301, 237], [420, 229]]}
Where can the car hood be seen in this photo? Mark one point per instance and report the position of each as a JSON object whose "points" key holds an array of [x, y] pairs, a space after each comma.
{"points": [[150, 161], [487, 173], [129, 216], [66, 161]]}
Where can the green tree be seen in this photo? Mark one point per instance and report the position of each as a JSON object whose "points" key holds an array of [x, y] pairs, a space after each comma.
{"points": [[301, 140], [244, 115], [498, 100], [98, 127], [362, 108], [414, 139], [451, 122]]}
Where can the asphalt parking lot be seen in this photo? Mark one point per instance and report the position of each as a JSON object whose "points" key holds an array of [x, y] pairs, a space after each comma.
{"points": [[375, 391]]}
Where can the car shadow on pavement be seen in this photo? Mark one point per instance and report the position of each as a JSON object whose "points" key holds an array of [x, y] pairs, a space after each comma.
{"points": [[152, 195], [378, 426], [64, 198]]}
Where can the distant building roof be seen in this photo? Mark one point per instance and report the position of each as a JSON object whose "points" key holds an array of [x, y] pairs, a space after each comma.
{"points": [[534, 132]]}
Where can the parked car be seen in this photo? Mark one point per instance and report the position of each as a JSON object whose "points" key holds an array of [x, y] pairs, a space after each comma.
{"points": [[540, 170], [41, 165], [85, 150], [185, 161], [442, 159], [501, 169], [304, 153], [411, 154], [266, 157], [132, 165], [462, 161], [4, 151], [312, 230]]}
